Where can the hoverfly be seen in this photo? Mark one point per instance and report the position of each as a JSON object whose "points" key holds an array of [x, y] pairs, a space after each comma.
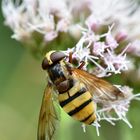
{"points": [[75, 89]]}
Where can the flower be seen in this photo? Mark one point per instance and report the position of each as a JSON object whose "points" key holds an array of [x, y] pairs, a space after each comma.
{"points": [[36, 23], [99, 51], [134, 48], [120, 107], [115, 63], [113, 12], [35, 15], [48, 19], [91, 48]]}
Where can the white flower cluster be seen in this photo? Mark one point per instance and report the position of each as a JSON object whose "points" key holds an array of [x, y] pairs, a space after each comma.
{"points": [[120, 108], [91, 48], [50, 18], [102, 54], [47, 17]]}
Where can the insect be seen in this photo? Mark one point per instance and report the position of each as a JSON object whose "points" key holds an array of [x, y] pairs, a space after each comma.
{"points": [[74, 89]]}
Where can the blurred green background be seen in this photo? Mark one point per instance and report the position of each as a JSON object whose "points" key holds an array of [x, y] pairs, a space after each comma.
{"points": [[22, 83]]}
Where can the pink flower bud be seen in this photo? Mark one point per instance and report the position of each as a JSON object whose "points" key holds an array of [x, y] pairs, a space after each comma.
{"points": [[121, 36]]}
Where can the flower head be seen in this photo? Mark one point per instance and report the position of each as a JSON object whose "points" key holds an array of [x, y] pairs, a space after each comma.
{"points": [[49, 19], [134, 48], [33, 15], [120, 107], [102, 53], [90, 49]]}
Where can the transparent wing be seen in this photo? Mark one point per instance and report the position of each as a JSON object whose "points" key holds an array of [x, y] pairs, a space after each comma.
{"points": [[49, 118], [98, 87]]}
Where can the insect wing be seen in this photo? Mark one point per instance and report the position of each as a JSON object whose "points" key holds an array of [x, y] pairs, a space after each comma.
{"points": [[98, 87], [49, 118]]}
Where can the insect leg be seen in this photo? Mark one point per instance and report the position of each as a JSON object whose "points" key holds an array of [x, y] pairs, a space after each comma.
{"points": [[81, 65], [70, 57]]}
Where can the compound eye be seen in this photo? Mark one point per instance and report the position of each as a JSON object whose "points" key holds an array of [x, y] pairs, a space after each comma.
{"points": [[51, 58], [57, 56], [45, 64]]}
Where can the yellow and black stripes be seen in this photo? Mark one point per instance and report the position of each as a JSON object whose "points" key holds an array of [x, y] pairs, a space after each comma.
{"points": [[80, 107], [86, 118], [77, 102], [89, 119], [80, 92]]}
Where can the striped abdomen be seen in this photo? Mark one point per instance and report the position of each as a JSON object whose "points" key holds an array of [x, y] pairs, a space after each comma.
{"points": [[77, 102]]}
